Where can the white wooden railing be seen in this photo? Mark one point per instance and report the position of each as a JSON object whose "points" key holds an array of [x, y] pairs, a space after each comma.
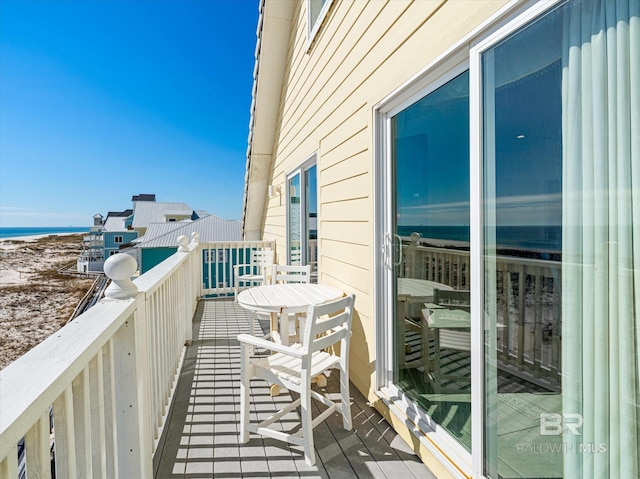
{"points": [[219, 259], [92, 399], [528, 304]]}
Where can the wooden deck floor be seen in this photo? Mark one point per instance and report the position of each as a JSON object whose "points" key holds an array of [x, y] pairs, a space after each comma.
{"points": [[201, 439]]}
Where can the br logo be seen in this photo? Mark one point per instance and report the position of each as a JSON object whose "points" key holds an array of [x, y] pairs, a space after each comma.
{"points": [[553, 424]]}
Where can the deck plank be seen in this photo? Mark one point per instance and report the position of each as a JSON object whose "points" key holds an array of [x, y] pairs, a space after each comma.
{"points": [[201, 437]]}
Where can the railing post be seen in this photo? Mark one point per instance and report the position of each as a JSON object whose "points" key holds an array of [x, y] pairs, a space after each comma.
{"points": [[131, 374], [183, 244], [119, 268], [131, 398]]}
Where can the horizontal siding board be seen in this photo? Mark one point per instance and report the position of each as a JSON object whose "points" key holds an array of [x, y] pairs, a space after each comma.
{"points": [[361, 51], [353, 126], [357, 165], [355, 187], [357, 209], [342, 251], [354, 155], [317, 68], [352, 275], [349, 231]]}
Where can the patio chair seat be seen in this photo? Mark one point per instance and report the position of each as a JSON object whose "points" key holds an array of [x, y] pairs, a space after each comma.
{"points": [[294, 367]]}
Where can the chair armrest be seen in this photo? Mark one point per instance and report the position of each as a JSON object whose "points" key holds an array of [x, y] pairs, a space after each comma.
{"points": [[236, 267], [278, 348]]}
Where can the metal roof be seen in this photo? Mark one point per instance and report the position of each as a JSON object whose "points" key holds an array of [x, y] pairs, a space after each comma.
{"points": [[147, 212], [210, 228], [115, 223]]}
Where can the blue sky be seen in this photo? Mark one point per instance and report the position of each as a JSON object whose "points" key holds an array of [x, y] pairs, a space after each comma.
{"points": [[103, 100]]}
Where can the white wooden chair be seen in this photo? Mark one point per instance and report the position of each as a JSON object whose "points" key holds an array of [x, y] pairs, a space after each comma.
{"points": [[453, 338], [284, 273], [294, 367], [288, 274], [254, 272]]}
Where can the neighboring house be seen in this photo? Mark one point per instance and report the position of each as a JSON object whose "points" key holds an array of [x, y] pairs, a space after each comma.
{"points": [[91, 258], [161, 240], [483, 145], [117, 232], [147, 210]]}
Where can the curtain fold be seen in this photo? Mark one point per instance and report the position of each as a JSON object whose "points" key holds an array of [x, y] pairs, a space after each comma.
{"points": [[601, 237]]}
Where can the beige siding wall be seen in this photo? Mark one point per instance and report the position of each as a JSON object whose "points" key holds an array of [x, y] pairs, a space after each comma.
{"points": [[364, 51]]}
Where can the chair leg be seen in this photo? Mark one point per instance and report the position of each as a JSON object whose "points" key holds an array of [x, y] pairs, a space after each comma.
{"points": [[253, 317], [245, 377], [307, 425], [345, 400]]}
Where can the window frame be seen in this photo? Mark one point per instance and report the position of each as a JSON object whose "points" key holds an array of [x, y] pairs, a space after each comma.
{"points": [[307, 164], [118, 239], [465, 54], [314, 28]]}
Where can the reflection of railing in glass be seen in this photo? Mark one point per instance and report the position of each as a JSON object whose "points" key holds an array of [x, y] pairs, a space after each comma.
{"points": [[528, 305]]}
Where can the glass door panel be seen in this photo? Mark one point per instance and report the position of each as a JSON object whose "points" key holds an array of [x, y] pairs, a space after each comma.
{"points": [[523, 251], [294, 221], [430, 163], [311, 219]]}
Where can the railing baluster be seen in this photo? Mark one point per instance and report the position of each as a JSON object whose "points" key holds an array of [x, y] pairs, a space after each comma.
{"points": [[65, 444], [111, 437], [507, 314], [96, 412], [537, 334], [37, 447], [9, 466], [521, 324], [82, 424]]}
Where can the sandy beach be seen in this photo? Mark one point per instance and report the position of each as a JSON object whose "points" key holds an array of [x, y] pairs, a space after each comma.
{"points": [[35, 298]]}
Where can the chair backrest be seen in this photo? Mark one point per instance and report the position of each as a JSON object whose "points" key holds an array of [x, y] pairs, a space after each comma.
{"points": [[291, 274], [262, 257], [459, 339], [328, 324], [454, 299]]}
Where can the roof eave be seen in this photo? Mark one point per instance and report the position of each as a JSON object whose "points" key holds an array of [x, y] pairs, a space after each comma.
{"points": [[274, 26]]}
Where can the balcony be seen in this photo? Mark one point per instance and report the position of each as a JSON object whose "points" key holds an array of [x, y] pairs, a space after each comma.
{"points": [[146, 383]]}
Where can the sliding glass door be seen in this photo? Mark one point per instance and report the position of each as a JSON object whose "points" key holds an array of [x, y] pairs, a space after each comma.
{"points": [[302, 217], [561, 213], [544, 112], [430, 231]]}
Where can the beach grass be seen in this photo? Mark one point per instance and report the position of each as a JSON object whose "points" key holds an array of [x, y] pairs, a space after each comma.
{"points": [[36, 299]]}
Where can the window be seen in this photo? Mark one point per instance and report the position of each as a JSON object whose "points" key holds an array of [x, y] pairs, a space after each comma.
{"points": [[560, 250], [111, 253], [552, 235], [316, 11], [430, 157], [118, 239], [210, 254], [302, 216]]}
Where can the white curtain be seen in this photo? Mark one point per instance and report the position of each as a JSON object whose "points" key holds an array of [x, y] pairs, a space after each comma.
{"points": [[601, 238]]}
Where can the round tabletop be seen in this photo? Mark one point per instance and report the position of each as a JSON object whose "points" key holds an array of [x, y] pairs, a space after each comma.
{"points": [[294, 297], [419, 287]]}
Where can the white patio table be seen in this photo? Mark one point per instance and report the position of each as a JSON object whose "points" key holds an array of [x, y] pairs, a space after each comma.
{"points": [[416, 291], [286, 299]]}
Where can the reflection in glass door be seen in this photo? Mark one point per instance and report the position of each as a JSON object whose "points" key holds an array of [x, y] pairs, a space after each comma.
{"points": [[430, 148], [302, 218], [294, 220]]}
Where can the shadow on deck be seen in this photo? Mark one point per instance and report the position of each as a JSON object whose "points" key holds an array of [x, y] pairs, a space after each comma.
{"points": [[201, 438]]}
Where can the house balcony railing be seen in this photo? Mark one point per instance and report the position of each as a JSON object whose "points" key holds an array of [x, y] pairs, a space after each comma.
{"points": [[101, 386], [527, 305]]}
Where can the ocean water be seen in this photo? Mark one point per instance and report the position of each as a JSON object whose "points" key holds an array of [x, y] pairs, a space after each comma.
{"points": [[529, 238], [14, 232]]}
